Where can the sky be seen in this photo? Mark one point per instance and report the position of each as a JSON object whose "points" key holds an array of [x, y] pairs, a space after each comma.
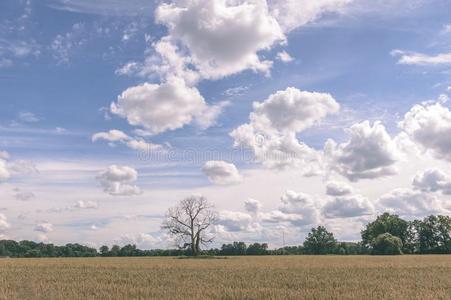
{"points": [[284, 114]]}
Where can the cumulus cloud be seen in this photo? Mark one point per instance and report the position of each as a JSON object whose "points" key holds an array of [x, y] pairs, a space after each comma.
{"points": [[210, 115], [166, 61], [297, 209], [4, 155], [161, 107], [433, 180], [114, 136], [4, 173], [85, 204], [10, 168], [222, 37], [412, 58], [252, 206], [221, 172], [141, 240], [347, 207], [293, 110], [336, 188], [235, 221], [271, 132], [283, 56], [409, 202], [4, 225], [369, 153], [295, 13], [119, 181], [44, 227], [429, 125]]}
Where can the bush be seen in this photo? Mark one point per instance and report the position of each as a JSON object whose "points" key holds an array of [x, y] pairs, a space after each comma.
{"points": [[387, 244]]}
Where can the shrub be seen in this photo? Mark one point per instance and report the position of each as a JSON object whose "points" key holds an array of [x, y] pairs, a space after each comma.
{"points": [[387, 244]]}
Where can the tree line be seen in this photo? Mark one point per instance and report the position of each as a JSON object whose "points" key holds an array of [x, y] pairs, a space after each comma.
{"points": [[388, 234]]}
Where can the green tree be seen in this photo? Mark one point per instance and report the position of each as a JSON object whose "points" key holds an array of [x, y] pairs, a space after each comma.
{"points": [[432, 234], [320, 241], [104, 250], [115, 250], [387, 223], [237, 248], [257, 249], [387, 244]]}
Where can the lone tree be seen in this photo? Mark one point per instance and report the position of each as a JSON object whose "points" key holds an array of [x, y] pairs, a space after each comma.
{"points": [[189, 222], [320, 241]]}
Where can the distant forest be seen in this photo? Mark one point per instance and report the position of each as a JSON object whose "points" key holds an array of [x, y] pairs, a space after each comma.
{"points": [[387, 235]]}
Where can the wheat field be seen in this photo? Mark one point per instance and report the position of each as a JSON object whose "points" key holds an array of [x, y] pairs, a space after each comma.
{"points": [[269, 277]]}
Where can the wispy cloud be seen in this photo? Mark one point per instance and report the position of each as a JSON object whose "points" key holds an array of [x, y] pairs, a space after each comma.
{"points": [[105, 7]]}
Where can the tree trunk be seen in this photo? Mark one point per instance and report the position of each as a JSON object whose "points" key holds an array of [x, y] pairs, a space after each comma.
{"points": [[197, 245], [193, 247]]}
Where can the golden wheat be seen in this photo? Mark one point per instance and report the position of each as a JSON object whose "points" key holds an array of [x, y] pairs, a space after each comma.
{"points": [[274, 277]]}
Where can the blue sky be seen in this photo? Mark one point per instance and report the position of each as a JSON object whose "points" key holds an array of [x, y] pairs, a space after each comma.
{"points": [[62, 66]]}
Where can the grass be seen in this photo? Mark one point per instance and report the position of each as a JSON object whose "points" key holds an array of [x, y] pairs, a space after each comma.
{"points": [[274, 277]]}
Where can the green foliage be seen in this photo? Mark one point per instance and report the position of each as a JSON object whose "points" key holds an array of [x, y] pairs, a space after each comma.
{"points": [[387, 244], [387, 223], [388, 234], [237, 248], [320, 241], [257, 249], [432, 234]]}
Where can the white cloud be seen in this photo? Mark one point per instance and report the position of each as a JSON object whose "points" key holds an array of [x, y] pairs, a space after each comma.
{"points": [[348, 207], [336, 188], [119, 181], [167, 61], [412, 58], [111, 136], [141, 240], [28, 117], [161, 107], [236, 91], [131, 8], [370, 153], [43, 238], [4, 225], [407, 202], [44, 227], [234, 221], [433, 180], [85, 204], [293, 110], [429, 125], [297, 209], [221, 172], [284, 57], [4, 173], [22, 168], [4, 155], [446, 28], [252, 206], [295, 13], [271, 132], [210, 115], [114, 135], [222, 37], [6, 63], [24, 196]]}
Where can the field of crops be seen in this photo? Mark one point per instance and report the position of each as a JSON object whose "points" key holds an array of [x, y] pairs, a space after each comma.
{"points": [[271, 277]]}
